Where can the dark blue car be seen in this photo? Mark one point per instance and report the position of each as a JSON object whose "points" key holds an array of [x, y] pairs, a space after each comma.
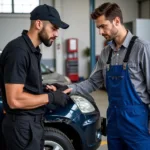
{"points": [[74, 127]]}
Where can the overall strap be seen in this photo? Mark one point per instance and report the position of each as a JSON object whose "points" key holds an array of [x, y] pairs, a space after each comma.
{"points": [[109, 59], [126, 56], [129, 51]]}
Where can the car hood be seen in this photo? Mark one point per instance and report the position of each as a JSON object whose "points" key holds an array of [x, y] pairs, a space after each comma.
{"points": [[53, 78]]}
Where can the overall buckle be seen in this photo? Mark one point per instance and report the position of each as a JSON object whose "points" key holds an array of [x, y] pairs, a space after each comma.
{"points": [[124, 65], [108, 67]]}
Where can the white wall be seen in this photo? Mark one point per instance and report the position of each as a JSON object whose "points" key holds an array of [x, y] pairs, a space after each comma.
{"points": [[142, 28], [75, 13], [11, 27]]}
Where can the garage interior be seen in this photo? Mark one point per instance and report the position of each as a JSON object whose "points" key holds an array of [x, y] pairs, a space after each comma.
{"points": [[82, 32]]}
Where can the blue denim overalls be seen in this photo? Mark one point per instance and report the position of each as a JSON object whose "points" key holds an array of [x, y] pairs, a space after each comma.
{"points": [[127, 115]]}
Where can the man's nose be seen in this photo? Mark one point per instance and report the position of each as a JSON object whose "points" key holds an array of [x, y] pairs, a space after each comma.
{"points": [[56, 33]]}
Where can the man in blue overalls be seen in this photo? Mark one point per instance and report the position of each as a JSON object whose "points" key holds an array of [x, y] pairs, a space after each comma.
{"points": [[124, 68]]}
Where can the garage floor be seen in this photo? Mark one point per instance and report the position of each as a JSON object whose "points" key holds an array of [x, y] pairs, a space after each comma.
{"points": [[102, 103]]}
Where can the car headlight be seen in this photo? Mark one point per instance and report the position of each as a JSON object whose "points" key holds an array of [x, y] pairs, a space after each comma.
{"points": [[83, 104], [67, 79]]}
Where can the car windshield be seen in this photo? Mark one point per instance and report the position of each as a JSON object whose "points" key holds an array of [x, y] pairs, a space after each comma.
{"points": [[44, 70]]}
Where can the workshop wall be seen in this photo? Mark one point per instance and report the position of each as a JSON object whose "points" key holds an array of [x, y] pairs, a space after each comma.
{"points": [[74, 12]]}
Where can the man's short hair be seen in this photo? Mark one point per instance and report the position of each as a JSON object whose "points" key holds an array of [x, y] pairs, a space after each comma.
{"points": [[109, 10]]}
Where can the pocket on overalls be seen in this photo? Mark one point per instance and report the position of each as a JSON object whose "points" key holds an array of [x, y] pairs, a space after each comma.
{"points": [[137, 119], [115, 82]]}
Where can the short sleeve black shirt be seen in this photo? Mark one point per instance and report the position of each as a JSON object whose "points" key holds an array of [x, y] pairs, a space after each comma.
{"points": [[20, 64]]}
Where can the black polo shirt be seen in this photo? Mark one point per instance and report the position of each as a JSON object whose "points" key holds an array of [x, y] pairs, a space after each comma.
{"points": [[20, 64]]}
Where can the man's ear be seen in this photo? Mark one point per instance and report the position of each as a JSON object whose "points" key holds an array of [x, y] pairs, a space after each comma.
{"points": [[38, 24], [117, 21]]}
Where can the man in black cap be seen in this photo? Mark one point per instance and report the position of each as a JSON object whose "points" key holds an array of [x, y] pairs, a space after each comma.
{"points": [[21, 82]]}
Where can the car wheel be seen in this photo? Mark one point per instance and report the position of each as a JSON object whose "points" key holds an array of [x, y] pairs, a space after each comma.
{"points": [[56, 140]]}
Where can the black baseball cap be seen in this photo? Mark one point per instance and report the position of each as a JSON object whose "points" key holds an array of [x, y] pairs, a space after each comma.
{"points": [[46, 12]]}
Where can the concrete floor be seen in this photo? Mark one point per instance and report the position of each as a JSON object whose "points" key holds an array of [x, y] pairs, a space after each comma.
{"points": [[101, 100]]}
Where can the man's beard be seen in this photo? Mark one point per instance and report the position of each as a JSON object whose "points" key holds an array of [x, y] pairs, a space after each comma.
{"points": [[44, 39], [113, 34]]}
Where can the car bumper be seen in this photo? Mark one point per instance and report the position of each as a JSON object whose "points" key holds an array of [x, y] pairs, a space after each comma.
{"points": [[90, 132]]}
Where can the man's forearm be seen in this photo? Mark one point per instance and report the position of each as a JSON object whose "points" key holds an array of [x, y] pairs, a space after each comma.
{"points": [[29, 101], [82, 87]]}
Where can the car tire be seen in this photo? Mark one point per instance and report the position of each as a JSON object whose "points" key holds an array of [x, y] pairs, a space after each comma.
{"points": [[55, 139]]}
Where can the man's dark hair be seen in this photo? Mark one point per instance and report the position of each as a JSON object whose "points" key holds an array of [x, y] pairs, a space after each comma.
{"points": [[109, 10]]}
